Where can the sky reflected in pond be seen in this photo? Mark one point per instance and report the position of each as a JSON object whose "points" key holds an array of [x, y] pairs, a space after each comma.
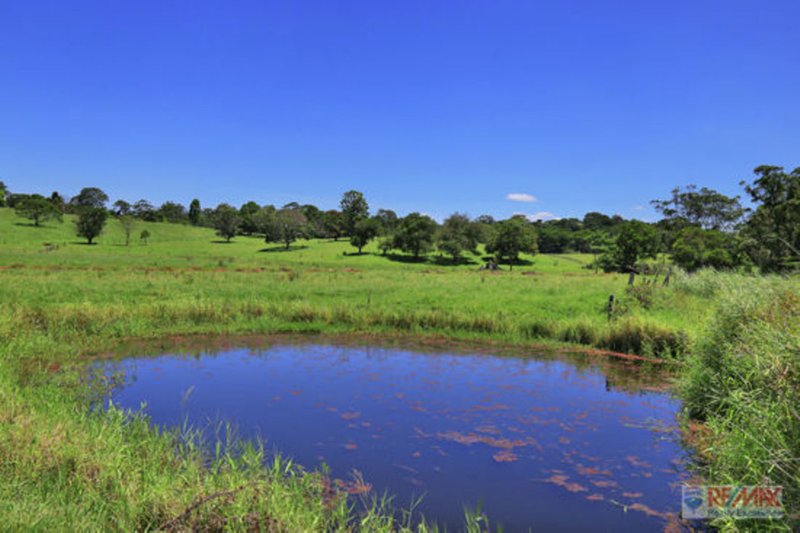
{"points": [[547, 444]]}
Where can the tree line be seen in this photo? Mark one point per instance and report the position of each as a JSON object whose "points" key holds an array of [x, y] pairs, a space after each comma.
{"points": [[699, 227]]}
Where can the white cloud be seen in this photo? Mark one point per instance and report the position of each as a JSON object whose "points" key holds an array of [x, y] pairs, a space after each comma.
{"points": [[540, 215], [638, 208], [520, 197]]}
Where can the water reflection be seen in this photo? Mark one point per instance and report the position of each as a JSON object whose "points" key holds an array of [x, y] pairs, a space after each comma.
{"points": [[539, 442]]}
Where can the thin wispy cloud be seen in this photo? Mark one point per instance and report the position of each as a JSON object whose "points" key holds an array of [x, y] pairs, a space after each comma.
{"points": [[520, 197], [638, 208]]}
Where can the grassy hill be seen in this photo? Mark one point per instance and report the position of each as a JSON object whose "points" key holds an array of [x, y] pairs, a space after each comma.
{"points": [[200, 282]]}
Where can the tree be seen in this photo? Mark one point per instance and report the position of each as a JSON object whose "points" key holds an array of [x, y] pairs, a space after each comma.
{"points": [[696, 248], [365, 230], [284, 225], [172, 212], [669, 229], [387, 221], [354, 208], [314, 220], [37, 209], [772, 233], [144, 236], [226, 221], [194, 212], [12, 199], [457, 235], [705, 208], [599, 243], [510, 238], [386, 244], [127, 222], [91, 222], [144, 210], [89, 198], [247, 213], [58, 201], [333, 224], [596, 221], [553, 238], [3, 194], [636, 240], [415, 234], [122, 208]]}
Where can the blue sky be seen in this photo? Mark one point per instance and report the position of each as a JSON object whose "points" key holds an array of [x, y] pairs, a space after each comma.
{"points": [[434, 106]]}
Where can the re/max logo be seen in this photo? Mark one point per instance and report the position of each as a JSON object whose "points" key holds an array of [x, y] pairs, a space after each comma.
{"points": [[737, 501], [742, 496]]}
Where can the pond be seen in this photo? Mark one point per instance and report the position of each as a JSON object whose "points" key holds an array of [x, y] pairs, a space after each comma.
{"points": [[568, 443]]}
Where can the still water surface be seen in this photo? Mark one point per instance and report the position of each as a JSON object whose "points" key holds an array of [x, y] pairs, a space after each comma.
{"points": [[551, 444]]}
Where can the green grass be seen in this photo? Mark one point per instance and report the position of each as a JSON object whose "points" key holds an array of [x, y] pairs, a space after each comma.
{"points": [[186, 277], [743, 383], [63, 300]]}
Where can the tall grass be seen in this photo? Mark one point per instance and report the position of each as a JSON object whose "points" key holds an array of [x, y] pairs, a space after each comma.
{"points": [[743, 382]]}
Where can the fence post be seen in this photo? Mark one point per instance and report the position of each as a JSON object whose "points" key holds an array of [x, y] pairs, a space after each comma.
{"points": [[666, 278]]}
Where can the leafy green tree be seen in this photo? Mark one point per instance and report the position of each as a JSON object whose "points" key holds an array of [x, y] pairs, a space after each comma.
{"points": [[386, 245], [315, 226], [354, 208], [284, 225], [3, 194], [365, 230], [172, 212], [248, 213], [596, 221], [207, 217], [554, 239], [772, 233], [263, 219], [144, 210], [510, 238], [195, 212], [415, 234], [705, 208], [37, 209], [668, 231], [12, 199], [599, 243], [696, 248], [333, 224], [636, 240], [91, 222], [226, 221], [457, 235], [89, 198], [58, 201], [122, 208], [484, 224], [387, 221], [144, 236], [127, 222]]}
